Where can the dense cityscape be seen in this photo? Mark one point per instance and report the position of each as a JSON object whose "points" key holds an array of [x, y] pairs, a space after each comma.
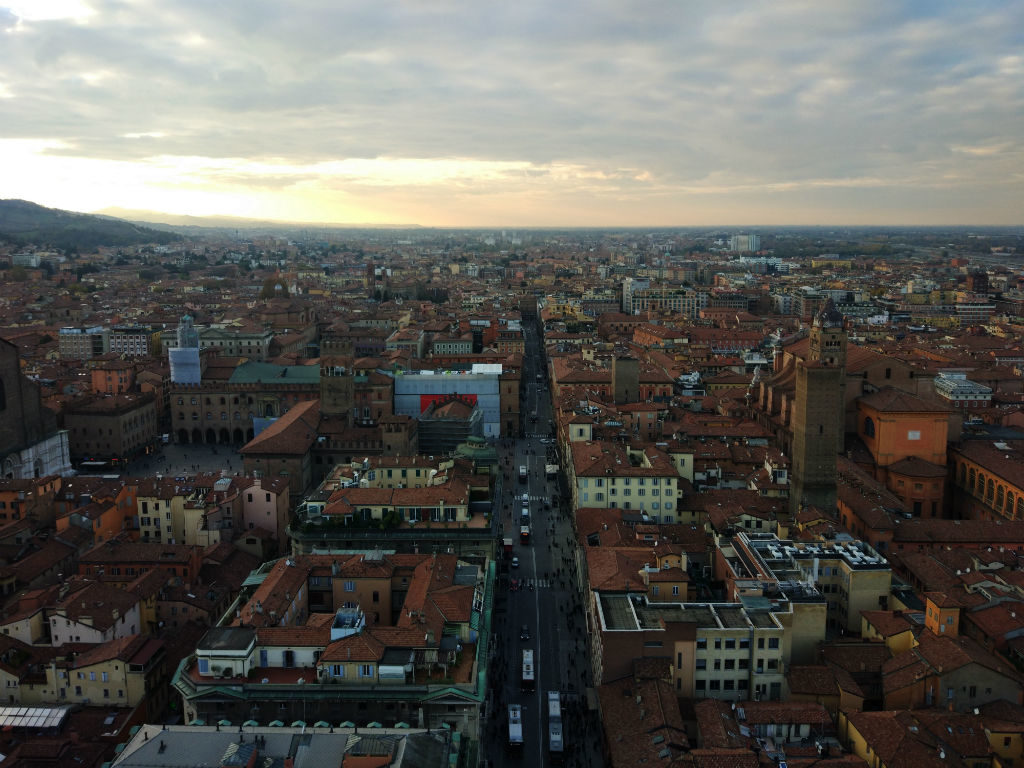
{"points": [[424, 497]]}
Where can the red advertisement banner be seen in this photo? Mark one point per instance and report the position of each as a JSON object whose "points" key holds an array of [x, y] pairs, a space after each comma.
{"points": [[426, 400]]}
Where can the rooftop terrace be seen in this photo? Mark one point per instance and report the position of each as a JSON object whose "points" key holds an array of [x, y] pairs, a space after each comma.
{"points": [[633, 613]]}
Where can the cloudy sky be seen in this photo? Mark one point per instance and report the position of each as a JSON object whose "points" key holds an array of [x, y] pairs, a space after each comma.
{"points": [[452, 113]]}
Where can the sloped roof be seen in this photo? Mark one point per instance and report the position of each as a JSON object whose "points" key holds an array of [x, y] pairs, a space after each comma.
{"points": [[293, 433], [892, 400]]}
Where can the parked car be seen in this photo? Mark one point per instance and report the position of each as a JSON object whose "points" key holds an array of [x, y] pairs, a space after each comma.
{"points": [[515, 562], [525, 634]]}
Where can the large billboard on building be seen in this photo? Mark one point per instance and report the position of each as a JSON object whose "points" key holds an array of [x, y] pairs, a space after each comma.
{"points": [[415, 390]]}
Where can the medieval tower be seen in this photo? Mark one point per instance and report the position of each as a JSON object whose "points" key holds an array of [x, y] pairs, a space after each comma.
{"points": [[818, 413], [337, 388], [625, 380]]}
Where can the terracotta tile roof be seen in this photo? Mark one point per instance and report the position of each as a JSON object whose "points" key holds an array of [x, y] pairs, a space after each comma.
{"points": [[455, 603], [400, 637], [1003, 462], [293, 433], [939, 655], [362, 646], [98, 602], [1004, 710], [892, 400], [797, 712], [717, 726], [813, 680], [613, 571], [724, 758], [999, 620], [858, 666], [953, 532], [316, 635], [122, 551], [888, 623], [127, 649], [915, 467], [902, 739], [455, 492], [277, 592], [641, 719]]}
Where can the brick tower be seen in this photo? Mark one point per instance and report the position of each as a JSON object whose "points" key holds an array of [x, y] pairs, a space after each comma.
{"points": [[818, 412], [337, 387]]}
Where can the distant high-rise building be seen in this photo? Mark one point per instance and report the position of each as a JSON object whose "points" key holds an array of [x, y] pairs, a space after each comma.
{"points": [[744, 243], [629, 286], [978, 282], [819, 412]]}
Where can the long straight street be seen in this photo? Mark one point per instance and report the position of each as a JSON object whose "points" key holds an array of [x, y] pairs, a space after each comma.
{"points": [[539, 605]]}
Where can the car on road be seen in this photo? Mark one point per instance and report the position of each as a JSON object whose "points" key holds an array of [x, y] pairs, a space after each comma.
{"points": [[515, 562], [547, 441], [525, 633]]}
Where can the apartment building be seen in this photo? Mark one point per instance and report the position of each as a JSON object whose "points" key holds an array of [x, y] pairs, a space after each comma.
{"points": [[93, 612], [134, 341], [411, 340], [127, 672], [124, 560], [249, 343], [82, 343], [850, 576], [113, 377], [204, 509], [716, 650], [665, 298], [112, 427], [452, 345], [606, 474], [304, 647]]}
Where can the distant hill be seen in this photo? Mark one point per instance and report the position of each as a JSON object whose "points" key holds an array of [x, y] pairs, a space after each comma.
{"points": [[183, 223], [27, 223]]}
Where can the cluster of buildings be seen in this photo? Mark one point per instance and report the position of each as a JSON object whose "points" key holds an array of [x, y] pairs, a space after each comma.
{"points": [[795, 479]]}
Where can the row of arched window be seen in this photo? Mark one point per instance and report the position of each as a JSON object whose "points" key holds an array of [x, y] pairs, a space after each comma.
{"points": [[992, 491]]}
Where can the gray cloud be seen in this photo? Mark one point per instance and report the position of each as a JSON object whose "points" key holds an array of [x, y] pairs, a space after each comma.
{"points": [[688, 96]]}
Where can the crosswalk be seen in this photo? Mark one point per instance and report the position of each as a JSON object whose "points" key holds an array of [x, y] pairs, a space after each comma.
{"points": [[537, 583]]}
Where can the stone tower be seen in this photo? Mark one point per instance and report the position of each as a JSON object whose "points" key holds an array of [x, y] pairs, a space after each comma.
{"points": [[625, 380], [818, 412], [337, 387]]}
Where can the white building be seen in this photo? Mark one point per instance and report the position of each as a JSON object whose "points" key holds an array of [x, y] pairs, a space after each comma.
{"points": [[743, 243]]}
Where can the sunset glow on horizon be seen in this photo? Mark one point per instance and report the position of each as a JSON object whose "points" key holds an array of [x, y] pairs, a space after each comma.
{"points": [[466, 114]]}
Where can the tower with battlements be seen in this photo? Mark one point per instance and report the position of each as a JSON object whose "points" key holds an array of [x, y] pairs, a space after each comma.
{"points": [[818, 412]]}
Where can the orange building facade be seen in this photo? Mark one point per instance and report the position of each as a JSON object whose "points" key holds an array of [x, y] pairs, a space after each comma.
{"points": [[906, 436]]}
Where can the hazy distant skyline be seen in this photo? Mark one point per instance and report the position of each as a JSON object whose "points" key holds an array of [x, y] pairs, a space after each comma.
{"points": [[454, 113]]}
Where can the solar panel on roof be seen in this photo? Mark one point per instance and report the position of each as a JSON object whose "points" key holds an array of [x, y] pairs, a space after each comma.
{"points": [[32, 717]]}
